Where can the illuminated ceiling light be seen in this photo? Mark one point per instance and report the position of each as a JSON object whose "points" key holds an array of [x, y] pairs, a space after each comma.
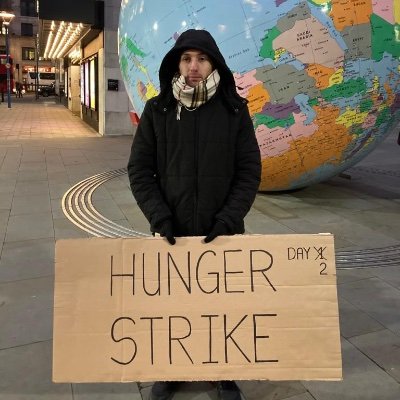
{"points": [[73, 37], [61, 38], [57, 38], [62, 41], [48, 44], [75, 55], [49, 40]]}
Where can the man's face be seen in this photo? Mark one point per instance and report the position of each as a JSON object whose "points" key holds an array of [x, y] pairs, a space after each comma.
{"points": [[195, 66]]}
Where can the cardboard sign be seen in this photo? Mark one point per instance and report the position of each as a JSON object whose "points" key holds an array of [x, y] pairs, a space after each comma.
{"points": [[242, 307]]}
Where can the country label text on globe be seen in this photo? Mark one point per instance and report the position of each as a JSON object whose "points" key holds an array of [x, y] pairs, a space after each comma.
{"points": [[322, 77]]}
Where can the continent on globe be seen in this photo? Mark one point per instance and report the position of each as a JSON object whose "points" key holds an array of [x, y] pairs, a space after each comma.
{"points": [[321, 77]]}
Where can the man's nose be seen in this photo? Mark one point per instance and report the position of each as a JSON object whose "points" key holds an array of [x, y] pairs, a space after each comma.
{"points": [[193, 65]]}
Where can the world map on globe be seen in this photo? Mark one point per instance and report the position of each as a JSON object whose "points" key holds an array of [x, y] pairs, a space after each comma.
{"points": [[322, 78]]}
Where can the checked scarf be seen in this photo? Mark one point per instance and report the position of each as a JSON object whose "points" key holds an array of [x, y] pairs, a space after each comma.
{"points": [[193, 97]]}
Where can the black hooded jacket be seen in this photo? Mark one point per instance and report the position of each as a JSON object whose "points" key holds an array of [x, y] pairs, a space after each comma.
{"points": [[202, 168]]}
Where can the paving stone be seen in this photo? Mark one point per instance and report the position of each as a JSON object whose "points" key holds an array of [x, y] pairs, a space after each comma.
{"points": [[262, 205], [56, 208], [122, 196], [8, 175], [32, 166], [6, 201], [299, 225], [317, 214], [29, 226], [257, 222], [363, 380], [136, 218], [353, 274], [355, 322], [27, 306], [26, 374], [374, 297], [109, 208], [267, 390], [287, 201], [117, 184], [65, 229], [360, 234], [33, 155], [394, 327], [343, 244], [384, 220], [384, 348], [106, 391], [33, 204], [304, 396], [101, 194], [11, 162], [31, 188], [27, 260], [389, 274], [7, 187], [58, 189], [190, 390], [30, 176], [54, 168]]}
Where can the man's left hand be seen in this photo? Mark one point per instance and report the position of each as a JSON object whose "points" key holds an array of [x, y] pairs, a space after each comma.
{"points": [[220, 228]]}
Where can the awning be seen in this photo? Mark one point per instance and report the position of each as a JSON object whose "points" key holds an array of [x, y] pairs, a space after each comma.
{"points": [[63, 24]]}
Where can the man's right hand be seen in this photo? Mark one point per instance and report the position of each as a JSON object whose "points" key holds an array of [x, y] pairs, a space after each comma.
{"points": [[167, 231]]}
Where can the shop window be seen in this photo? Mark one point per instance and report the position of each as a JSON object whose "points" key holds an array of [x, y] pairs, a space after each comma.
{"points": [[28, 8], [28, 53], [88, 82], [26, 29]]}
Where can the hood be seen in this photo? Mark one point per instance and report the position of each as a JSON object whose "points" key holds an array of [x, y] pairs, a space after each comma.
{"points": [[199, 40]]}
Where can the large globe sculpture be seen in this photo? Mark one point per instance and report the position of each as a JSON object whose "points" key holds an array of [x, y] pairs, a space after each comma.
{"points": [[322, 77]]}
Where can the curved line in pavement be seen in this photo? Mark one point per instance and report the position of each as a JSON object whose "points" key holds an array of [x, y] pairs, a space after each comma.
{"points": [[78, 207]]}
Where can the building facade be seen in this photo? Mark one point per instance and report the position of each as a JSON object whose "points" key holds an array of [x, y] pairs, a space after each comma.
{"points": [[81, 39], [23, 41]]}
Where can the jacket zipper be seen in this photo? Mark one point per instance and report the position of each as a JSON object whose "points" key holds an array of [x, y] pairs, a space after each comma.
{"points": [[196, 166]]}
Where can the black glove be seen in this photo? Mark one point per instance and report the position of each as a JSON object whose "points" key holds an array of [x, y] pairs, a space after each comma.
{"points": [[167, 231], [220, 228]]}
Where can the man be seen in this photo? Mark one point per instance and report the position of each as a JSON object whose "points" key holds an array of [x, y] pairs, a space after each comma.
{"points": [[195, 166]]}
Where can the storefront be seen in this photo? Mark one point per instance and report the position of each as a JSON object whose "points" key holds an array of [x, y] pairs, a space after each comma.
{"points": [[82, 43], [89, 77]]}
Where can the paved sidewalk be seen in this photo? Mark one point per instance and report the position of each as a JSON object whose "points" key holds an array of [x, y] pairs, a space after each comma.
{"points": [[45, 150]]}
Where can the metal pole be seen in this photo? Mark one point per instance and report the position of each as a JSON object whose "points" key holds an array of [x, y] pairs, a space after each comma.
{"points": [[8, 69], [37, 66]]}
